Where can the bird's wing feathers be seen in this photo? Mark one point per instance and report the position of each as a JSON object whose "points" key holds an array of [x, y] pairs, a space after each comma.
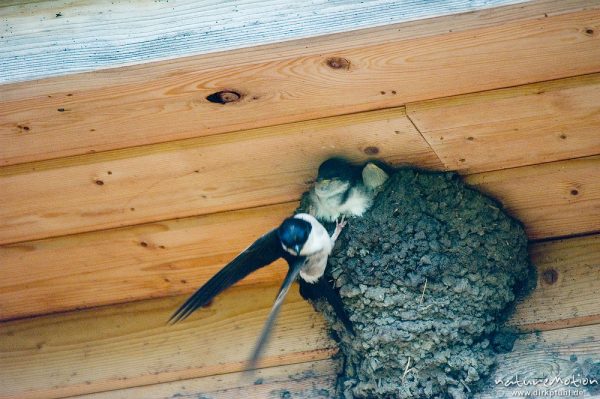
{"points": [[293, 272], [262, 252]]}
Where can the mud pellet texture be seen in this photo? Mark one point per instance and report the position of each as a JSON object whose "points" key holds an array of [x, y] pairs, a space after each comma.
{"points": [[429, 276]]}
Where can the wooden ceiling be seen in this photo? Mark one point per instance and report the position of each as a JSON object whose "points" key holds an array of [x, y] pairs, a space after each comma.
{"points": [[123, 188]]}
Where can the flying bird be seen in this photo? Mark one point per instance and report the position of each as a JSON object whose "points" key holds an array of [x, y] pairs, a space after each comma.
{"points": [[304, 243], [344, 189]]}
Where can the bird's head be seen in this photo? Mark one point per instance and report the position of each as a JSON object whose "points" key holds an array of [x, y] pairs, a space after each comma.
{"points": [[293, 234], [335, 176]]}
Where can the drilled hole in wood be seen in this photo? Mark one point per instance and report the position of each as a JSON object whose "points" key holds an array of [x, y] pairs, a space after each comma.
{"points": [[550, 276], [99, 182], [144, 244], [470, 138], [574, 192], [371, 150], [563, 136], [224, 97], [589, 31], [338, 63]]}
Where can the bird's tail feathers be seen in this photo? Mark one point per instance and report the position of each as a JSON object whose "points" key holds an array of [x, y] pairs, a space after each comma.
{"points": [[291, 276]]}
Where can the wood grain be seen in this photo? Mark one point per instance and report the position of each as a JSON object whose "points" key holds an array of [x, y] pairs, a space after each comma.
{"points": [[524, 125], [130, 264], [128, 345], [568, 284], [295, 48], [197, 176], [172, 105], [546, 355], [304, 380], [125, 264], [558, 353], [55, 38], [552, 200]]}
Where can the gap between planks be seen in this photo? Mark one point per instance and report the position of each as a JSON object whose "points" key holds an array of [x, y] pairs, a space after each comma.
{"points": [[107, 348], [170, 257], [547, 354], [173, 106]]}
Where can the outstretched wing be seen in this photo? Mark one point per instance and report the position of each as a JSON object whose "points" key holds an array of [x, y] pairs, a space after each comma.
{"points": [[323, 289], [263, 252], [295, 267]]}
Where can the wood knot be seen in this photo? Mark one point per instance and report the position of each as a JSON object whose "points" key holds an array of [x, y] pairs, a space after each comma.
{"points": [[224, 97], [371, 150], [338, 63], [550, 276]]}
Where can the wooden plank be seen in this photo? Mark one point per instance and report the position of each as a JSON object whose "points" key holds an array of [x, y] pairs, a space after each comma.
{"points": [[536, 355], [121, 265], [548, 354], [558, 353], [113, 266], [130, 345], [300, 48], [524, 125], [552, 200], [568, 284], [197, 176], [305, 380], [59, 118], [55, 39]]}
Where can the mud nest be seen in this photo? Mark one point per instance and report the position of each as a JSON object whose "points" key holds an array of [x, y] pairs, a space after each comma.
{"points": [[429, 276]]}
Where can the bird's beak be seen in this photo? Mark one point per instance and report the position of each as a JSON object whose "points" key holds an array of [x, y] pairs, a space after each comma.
{"points": [[297, 249]]}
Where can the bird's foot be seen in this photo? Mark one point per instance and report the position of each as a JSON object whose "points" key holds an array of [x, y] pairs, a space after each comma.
{"points": [[339, 225]]}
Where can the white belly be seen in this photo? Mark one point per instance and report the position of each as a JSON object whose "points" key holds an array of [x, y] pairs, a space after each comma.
{"points": [[314, 268]]}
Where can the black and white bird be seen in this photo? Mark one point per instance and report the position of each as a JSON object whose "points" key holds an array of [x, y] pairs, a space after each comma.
{"points": [[344, 189], [304, 243]]}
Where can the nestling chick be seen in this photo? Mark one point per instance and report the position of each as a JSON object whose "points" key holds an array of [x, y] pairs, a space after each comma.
{"points": [[343, 189]]}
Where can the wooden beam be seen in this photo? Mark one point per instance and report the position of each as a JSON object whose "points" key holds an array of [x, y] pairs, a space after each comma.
{"points": [[558, 353], [548, 354], [168, 101], [314, 379], [197, 176], [126, 264], [568, 284], [524, 125], [552, 200], [56, 39], [141, 262], [128, 345]]}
